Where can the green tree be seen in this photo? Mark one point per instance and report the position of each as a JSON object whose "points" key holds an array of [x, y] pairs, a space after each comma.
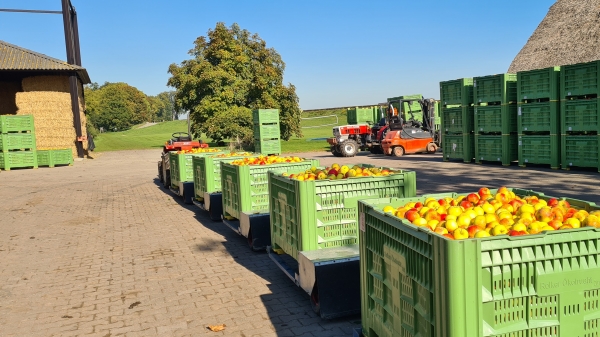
{"points": [[117, 106], [231, 73]]}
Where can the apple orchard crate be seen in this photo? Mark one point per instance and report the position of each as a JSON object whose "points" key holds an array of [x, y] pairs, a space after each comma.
{"points": [[207, 173], [318, 214], [52, 158], [182, 168], [458, 147], [418, 283], [245, 188]]}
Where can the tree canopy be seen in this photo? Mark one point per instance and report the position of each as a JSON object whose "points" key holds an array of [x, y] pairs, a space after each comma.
{"points": [[119, 106], [231, 73]]}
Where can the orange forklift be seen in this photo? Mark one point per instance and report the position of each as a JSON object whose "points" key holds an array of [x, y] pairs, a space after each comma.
{"points": [[412, 136]]}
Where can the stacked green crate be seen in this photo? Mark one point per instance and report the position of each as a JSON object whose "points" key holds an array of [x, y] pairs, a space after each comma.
{"points": [[538, 117], [266, 131], [495, 118], [457, 123], [364, 115], [580, 115], [17, 142]]}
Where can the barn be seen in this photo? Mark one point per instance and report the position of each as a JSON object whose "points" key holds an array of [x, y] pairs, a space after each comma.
{"points": [[35, 84]]}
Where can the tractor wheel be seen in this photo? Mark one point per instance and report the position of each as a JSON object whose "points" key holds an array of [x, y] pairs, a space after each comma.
{"points": [[334, 151], [160, 173], [348, 148], [167, 179], [398, 151], [431, 148]]}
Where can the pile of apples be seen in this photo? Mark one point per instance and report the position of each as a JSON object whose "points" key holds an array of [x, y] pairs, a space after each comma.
{"points": [[337, 172], [199, 150], [266, 160], [480, 215], [234, 154]]}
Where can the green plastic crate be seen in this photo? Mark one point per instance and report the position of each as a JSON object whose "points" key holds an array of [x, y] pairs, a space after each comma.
{"points": [[501, 119], [539, 149], [358, 115], [538, 84], [580, 151], [500, 88], [458, 120], [320, 214], [417, 283], [246, 189], [267, 146], [260, 116], [207, 173], [500, 148], [52, 158], [538, 117], [182, 168], [21, 123], [18, 159], [580, 115], [458, 147], [270, 130], [580, 79], [17, 141], [457, 92]]}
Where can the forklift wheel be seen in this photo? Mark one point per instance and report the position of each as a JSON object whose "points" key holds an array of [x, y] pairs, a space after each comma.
{"points": [[431, 148], [398, 151]]}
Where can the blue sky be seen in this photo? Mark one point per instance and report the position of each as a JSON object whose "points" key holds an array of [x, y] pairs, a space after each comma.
{"points": [[337, 53]]}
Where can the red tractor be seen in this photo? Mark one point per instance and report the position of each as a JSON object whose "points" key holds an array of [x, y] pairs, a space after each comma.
{"points": [[180, 141], [392, 135]]}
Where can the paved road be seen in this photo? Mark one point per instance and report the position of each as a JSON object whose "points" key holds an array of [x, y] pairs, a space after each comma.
{"points": [[99, 249]]}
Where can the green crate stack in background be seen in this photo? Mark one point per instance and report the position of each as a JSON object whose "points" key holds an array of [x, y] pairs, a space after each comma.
{"points": [[538, 116], [362, 115], [267, 135], [17, 142], [580, 115], [457, 113], [319, 214], [495, 118], [415, 282]]}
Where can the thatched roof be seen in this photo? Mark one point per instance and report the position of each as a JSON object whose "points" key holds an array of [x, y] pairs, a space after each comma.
{"points": [[15, 58], [570, 33]]}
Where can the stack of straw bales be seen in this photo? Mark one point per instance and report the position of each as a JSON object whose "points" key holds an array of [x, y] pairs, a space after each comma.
{"points": [[47, 98], [8, 90]]}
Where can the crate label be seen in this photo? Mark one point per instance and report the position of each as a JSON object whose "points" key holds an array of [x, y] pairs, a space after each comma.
{"points": [[519, 111], [525, 129], [524, 97], [570, 128], [569, 93], [397, 259], [480, 129], [520, 143], [567, 281], [361, 221], [453, 147], [474, 83], [452, 120], [498, 159], [527, 160]]}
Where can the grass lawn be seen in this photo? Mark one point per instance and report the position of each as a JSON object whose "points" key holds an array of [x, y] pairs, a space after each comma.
{"points": [[153, 137]]}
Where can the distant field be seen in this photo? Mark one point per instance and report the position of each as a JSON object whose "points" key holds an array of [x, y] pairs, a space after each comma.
{"points": [[155, 136]]}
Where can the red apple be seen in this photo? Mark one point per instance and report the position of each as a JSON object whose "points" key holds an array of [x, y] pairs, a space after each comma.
{"points": [[411, 215], [449, 236], [473, 198], [516, 233], [473, 229], [466, 204], [552, 202], [484, 192]]}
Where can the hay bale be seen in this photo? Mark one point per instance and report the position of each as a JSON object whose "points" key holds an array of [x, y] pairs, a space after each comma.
{"points": [[53, 118], [569, 34], [8, 91], [46, 83]]}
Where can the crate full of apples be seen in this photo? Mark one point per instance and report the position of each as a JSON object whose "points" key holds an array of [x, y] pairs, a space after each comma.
{"points": [[318, 208], [207, 171], [515, 262], [244, 181]]}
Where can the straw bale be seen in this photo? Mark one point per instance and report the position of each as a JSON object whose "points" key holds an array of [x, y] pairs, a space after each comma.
{"points": [[8, 91], [46, 83], [569, 34]]}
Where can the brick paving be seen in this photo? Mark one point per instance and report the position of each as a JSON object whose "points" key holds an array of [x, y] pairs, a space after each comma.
{"points": [[100, 249]]}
